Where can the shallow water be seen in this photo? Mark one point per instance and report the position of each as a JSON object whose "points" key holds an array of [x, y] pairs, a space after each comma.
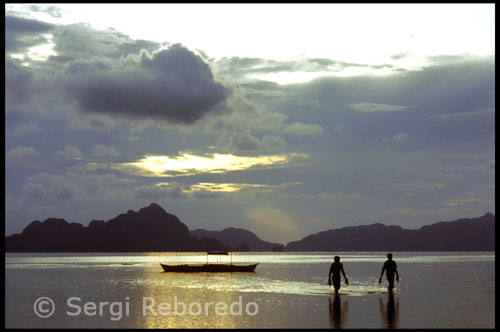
{"points": [[436, 290]]}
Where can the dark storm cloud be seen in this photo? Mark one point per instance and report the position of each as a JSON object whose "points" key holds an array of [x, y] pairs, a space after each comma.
{"points": [[173, 84], [104, 71], [22, 33]]}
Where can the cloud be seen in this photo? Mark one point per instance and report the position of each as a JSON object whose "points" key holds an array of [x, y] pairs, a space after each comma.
{"points": [[399, 137], [207, 190], [77, 186], [400, 56], [450, 112], [18, 83], [81, 41], [45, 186], [189, 164], [69, 152], [104, 152], [52, 11], [465, 116], [22, 33], [301, 69], [254, 128], [250, 128], [410, 188], [174, 85], [171, 190], [246, 142], [87, 121], [22, 152], [206, 194], [111, 79], [303, 129], [234, 188], [374, 107], [468, 201], [26, 128]]}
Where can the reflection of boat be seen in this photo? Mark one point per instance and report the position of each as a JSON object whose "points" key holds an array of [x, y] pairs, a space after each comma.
{"points": [[219, 267]]}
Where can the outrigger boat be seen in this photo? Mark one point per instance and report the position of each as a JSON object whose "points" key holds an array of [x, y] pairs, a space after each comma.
{"points": [[219, 267]]}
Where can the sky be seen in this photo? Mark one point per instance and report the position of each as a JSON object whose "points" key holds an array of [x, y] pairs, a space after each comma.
{"points": [[283, 119]]}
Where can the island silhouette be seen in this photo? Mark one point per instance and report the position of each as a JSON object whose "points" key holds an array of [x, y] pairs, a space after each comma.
{"points": [[467, 234], [153, 229]]}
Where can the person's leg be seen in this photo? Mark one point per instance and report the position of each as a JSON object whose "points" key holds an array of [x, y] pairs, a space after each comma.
{"points": [[336, 285], [391, 283]]}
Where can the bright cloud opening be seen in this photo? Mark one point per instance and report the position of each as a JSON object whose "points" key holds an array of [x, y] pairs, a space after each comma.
{"points": [[43, 52], [188, 164]]}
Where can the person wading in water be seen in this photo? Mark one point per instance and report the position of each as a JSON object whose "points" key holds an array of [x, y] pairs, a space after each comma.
{"points": [[391, 269], [334, 274]]}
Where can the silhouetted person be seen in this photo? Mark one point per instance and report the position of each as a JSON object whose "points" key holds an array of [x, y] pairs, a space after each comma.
{"points": [[391, 269], [334, 274]]}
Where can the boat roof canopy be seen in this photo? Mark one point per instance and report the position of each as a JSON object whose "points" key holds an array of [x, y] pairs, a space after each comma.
{"points": [[217, 253]]}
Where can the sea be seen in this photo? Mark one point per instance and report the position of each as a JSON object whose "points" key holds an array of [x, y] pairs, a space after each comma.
{"points": [[287, 290]]}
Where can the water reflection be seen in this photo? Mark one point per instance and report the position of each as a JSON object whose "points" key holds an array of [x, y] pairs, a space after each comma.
{"points": [[195, 307], [338, 312], [389, 312]]}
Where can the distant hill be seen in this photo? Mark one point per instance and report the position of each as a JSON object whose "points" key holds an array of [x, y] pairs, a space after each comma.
{"points": [[149, 229], [475, 234], [153, 229], [239, 239]]}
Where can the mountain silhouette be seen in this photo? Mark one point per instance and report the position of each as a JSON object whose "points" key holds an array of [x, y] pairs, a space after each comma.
{"points": [[238, 238], [153, 229], [149, 229], [475, 234]]}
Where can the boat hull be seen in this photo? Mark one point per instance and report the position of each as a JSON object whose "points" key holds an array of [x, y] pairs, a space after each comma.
{"points": [[209, 268]]}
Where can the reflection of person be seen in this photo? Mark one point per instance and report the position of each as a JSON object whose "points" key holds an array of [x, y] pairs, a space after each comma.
{"points": [[391, 269], [334, 274], [389, 312], [338, 312]]}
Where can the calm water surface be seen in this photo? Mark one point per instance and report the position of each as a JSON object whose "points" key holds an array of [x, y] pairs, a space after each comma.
{"points": [[288, 290]]}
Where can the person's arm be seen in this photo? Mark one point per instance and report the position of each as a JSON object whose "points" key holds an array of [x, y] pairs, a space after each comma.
{"points": [[381, 274], [396, 270], [330, 277], [345, 278]]}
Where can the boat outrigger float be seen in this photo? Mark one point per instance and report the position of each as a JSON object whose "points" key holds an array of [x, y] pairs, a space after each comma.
{"points": [[219, 267]]}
